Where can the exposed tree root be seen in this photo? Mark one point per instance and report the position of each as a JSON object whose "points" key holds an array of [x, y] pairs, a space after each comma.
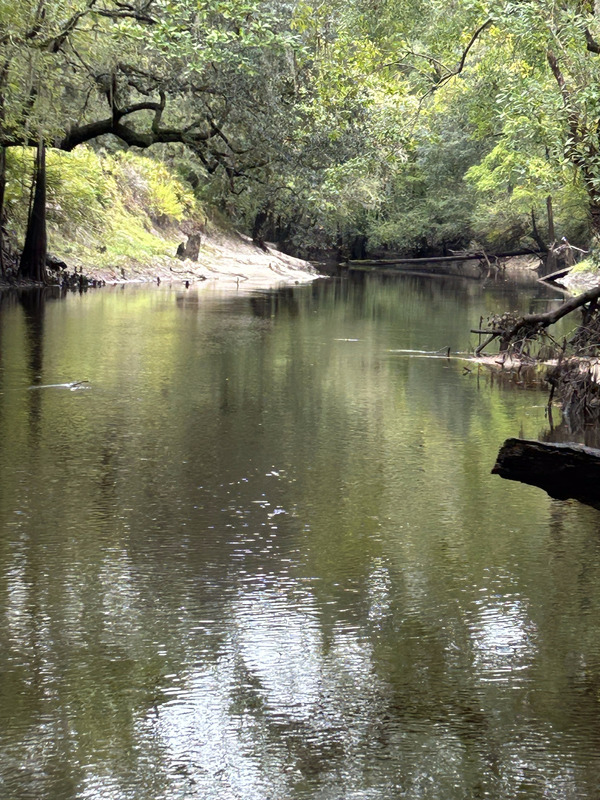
{"points": [[575, 375], [511, 329]]}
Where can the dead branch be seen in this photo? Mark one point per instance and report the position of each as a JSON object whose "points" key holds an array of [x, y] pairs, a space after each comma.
{"points": [[463, 59], [508, 328]]}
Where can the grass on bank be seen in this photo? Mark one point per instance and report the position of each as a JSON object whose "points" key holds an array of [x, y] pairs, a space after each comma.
{"points": [[104, 210]]}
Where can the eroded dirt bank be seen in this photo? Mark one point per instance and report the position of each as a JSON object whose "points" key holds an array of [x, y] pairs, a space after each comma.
{"points": [[227, 260]]}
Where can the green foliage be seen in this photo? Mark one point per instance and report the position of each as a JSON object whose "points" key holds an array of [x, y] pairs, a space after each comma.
{"points": [[106, 204], [490, 124], [587, 265], [148, 183], [511, 186], [417, 125]]}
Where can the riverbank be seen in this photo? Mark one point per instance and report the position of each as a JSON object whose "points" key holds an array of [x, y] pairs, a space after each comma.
{"points": [[126, 218], [581, 280], [229, 259]]}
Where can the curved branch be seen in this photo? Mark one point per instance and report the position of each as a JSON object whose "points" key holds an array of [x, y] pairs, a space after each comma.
{"points": [[129, 135], [441, 81], [530, 321], [474, 38], [125, 14], [435, 64]]}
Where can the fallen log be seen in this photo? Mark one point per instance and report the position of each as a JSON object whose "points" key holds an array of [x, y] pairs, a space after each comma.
{"points": [[472, 256], [564, 471], [556, 275], [508, 330]]}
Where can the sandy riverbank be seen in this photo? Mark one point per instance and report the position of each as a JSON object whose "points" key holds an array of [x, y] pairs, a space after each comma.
{"points": [[226, 260]]}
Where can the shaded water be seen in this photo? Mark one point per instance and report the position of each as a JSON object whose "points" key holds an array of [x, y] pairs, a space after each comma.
{"points": [[260, 555]]}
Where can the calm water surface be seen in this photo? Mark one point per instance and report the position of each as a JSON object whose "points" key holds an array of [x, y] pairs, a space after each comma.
{"points": [[260, 555]]}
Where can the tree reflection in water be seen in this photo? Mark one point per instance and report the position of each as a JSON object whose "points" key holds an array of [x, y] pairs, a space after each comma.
{"points": [[263, 556]]}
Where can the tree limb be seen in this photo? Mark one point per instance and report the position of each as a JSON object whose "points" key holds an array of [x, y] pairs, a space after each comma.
{"points": [[529, 322], [591, 44], [126, 12], [40, 15], [128, 135], [56, 43], [463, 60], [474, 38]]}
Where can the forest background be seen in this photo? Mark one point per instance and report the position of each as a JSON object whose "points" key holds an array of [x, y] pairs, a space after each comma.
{"points": [[364, 126]]}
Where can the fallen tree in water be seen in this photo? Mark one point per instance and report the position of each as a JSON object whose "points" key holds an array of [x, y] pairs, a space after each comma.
{"points": [[573, 366], [513, 330], [564, 471]]}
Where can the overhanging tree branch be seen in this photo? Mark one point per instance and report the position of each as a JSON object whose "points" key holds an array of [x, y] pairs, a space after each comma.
{"points": [[130, 135], [124, 13]]}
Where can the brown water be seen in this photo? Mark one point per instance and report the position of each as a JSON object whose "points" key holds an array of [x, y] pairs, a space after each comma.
{"points": [[260, 555]]}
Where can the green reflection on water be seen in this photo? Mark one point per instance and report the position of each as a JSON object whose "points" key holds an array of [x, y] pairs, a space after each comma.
{"points": [[260, 554]]}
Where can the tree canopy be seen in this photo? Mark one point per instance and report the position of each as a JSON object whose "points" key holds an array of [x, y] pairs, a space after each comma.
{"points": [[409, 124]]}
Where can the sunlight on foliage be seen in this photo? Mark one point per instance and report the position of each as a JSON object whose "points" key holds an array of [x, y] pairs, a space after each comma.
{"points": [[108, 204]]}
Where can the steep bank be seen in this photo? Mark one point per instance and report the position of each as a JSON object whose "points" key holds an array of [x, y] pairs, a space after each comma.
{"points": [[128, 218], [227, 259]]}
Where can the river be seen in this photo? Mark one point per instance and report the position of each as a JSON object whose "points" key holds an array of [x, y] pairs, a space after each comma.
{"points": [[256, 552]]}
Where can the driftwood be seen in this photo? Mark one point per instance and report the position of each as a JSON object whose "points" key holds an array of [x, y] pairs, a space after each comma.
{"points": [[555, 276], [509, 328], [562, 470]]}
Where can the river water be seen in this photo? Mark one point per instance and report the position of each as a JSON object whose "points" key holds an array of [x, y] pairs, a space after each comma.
{"points": [[259, 554]]}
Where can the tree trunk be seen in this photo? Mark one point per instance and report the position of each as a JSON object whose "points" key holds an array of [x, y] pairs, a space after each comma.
{"points": [[550, 210], [358, 247], [536, 234], [33, 257], [2, 188], [595, 217], [258, 229], [562, 470], [191, 248]]}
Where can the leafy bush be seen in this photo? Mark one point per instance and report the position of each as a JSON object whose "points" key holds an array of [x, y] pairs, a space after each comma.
{"points": [[149, 184], [105, 203]]}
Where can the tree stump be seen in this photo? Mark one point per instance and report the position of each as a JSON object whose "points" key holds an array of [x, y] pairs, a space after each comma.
{"points": [[191, 248]]}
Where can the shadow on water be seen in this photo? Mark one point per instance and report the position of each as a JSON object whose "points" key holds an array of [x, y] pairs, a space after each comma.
{"points": [[268, 304]]}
